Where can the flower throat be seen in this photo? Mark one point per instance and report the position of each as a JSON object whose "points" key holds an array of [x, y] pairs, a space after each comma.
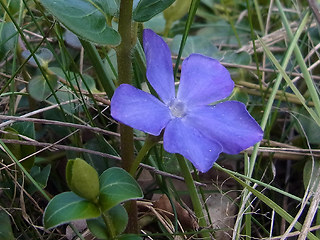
{"points": [[177, 108]]}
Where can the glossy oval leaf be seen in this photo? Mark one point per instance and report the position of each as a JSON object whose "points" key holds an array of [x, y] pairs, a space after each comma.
{"points": [[310, 174], [119, 218], [67, 207], [98, 228], [239, 95], [72, 39], [39, 88], [308, 125], [43, 55], [243, 58], [84, 19], [8, 36], [146, 9], [116, 186], [129, 237], [5, 227], [110, 7], [194, 44]]}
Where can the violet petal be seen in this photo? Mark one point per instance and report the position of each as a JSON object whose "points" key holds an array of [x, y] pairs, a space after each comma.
{"points": [[229, 123], [180, 137], [139, 109], [159, 65], [203, 80]]}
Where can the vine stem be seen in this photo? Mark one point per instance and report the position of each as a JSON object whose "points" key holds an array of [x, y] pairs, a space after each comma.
{"points": [[196, 202], [148, 144], [124, 76], [109, 224]]}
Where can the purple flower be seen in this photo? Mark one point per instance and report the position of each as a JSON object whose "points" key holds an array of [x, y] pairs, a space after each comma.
{"points": [[194, 129]]}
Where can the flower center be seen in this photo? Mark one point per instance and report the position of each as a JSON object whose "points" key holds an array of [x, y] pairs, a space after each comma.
{"points": [[177, 108]]}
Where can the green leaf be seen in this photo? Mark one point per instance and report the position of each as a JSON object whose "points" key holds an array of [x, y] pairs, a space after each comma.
{"points": [[157, 23], [236, 57], [26, 129], [13, 8], [83, 18], [310, 174], [220, 32], [82, 179], [11, 133], [239, 96], [99, 163], [8, 36], [146, 9], [39, 88], [98, 228], [71, 39], [66, 207], [119, 219], [194, 44], [41, 176], [5, 227], [310, 128], [65, 95], [116, 186], [176, 11], [43, 55], [72, 77], [19, 151], [129, 237], [110, 7]]}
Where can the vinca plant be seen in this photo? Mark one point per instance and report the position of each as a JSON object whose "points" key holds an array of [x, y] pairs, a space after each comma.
{"points": [[159, 119]]}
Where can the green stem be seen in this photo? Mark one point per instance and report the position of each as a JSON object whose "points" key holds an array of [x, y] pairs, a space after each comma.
{"points": [[192, 13], [109, 224], [197, 206], [104, 78], [247, 204], [124, 76], [259, 15], [148, 144]]}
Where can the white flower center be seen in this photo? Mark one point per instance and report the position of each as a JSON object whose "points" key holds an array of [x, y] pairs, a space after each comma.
{"points": [[177, 108]]}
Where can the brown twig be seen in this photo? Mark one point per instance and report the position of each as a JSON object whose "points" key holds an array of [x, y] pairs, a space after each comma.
{"points": [[58, 123], [54, 147]]}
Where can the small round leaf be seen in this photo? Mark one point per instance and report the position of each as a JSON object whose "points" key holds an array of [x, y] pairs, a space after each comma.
{"points": [[39, 88], [43, 55], [116, 186], [146, 9], [119, 219], [5, 227], [84, 19]]}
